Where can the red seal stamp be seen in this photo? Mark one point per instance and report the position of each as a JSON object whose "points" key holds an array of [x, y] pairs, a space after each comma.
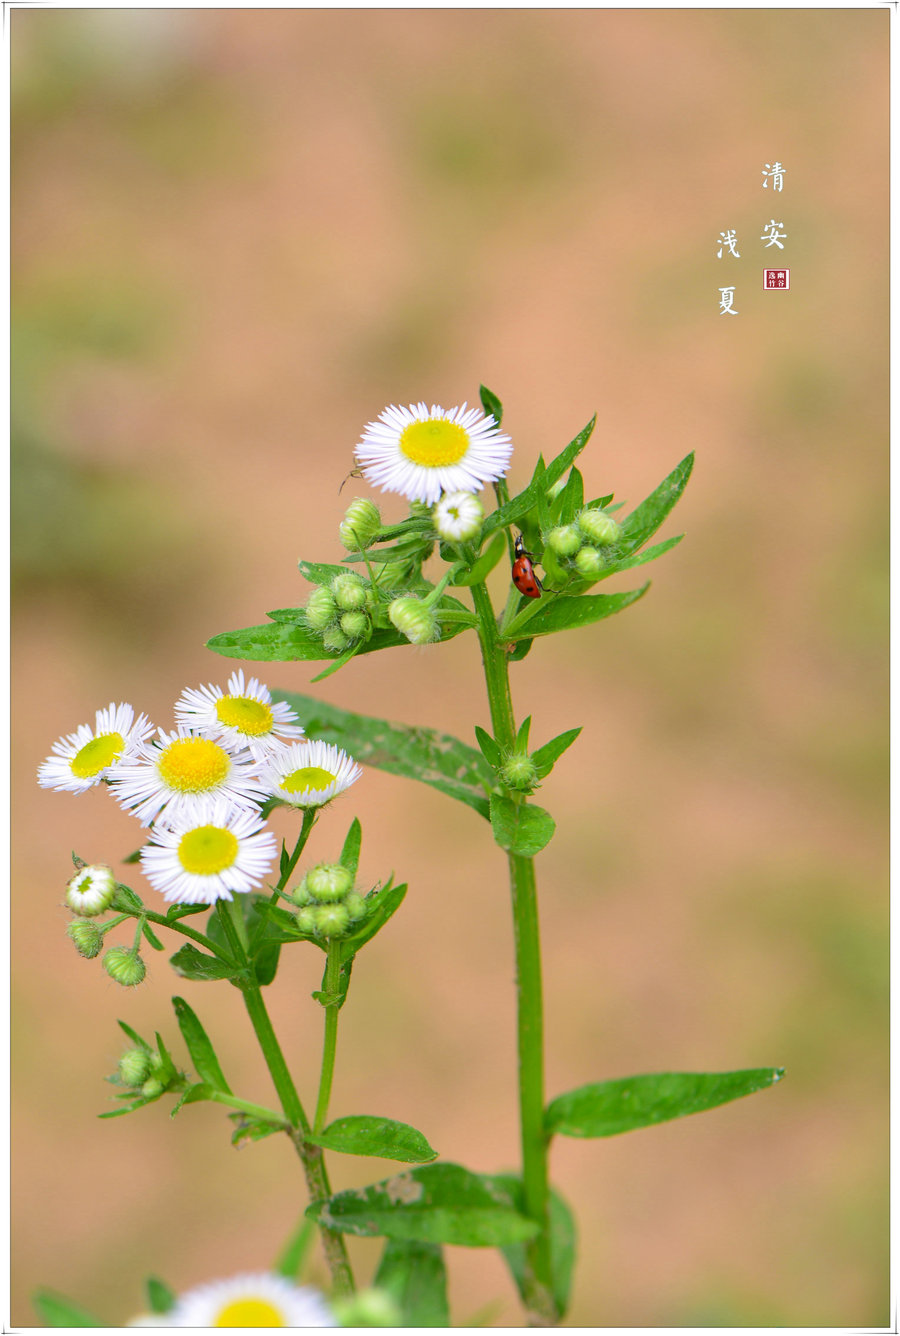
{"points": [[777, 278]]}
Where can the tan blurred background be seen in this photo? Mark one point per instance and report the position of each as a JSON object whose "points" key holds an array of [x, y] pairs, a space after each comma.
{"points": [[237, 236]]}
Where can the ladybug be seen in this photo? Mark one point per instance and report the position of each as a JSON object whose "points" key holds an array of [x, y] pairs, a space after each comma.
{"points": [[523, 576]]}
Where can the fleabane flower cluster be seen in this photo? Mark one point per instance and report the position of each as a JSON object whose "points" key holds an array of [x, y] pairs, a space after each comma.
{"points": [[199, 790], [421, 453]]}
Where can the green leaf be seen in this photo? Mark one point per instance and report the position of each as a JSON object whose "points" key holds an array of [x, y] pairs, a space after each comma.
{"points": [[439, 1203], [520, 828], [293, 1254], [382, 905], [125, 901], [135, 1037], [563, 613], [607, 1108], [485, 563], [135, 857], [415, 1277], [640, 558], [160, 1297], [349, 858], [284, 642], [248, 1128], [646, 518], [490, 403], [152, 938], [55, 1310], [176, 912], [417, 753], [522, 648], [199, 1045], [562, 1246], [318, 573], [571, 498], [490, 750], [542, 479], [546, 757], [363, 1135], [522, 735], [338, 664], [193, 964]]}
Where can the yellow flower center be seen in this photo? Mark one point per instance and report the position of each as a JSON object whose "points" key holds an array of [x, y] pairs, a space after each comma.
{"points": [[434, 442], [193, 765], [205, 851], [96, 755], [249, 1313], [249, 716], [307, 779]]}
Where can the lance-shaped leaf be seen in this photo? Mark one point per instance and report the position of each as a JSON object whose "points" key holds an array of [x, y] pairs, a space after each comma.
{"points": [[520, 828], [55, 1310], [543, 478], [193, 964], [545, 757], [349, 858], [439, 1203], [570, 499], [318, 572], [160, 1296], [199, 1045], [485, 563], [641, 558], [564, 613], [418, 753], [365, 1135], [646, 518], [415, 1277], [607, 1108], [490, 403], [563, 1241]]}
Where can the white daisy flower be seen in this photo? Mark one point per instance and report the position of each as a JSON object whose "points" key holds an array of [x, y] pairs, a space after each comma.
{"points": [[458, 516], [421, 454], [244, 717], [209, 853], [309, 774], [89, 755], [176, 769], [261, 1300]]}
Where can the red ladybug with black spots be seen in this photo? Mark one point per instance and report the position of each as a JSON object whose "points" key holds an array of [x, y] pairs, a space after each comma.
{"points": [[523, 576]]}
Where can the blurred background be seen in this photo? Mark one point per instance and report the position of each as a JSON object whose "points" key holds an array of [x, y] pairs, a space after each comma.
{"points": [[237, 236]]}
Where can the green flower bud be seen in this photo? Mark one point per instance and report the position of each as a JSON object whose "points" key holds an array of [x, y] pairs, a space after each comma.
{"points": [[306, 918], [598, 527], [334, 640], [367, 1308], [320, 609], [328, 881], [134, 1066], [565, 541], [519, 772], [355, 905], [331, 920], [152, 1087], [589, 563], [125, 966], [87, 937], [360, 524], [349, 591], [91, 890], [414, 620], [355, 626]]}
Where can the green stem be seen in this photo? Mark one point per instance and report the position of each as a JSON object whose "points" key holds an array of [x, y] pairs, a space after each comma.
{"points": [[329, 1046], [163, 922], [310, 815], [537, 1284], [245, 1106], [271, 1050]]}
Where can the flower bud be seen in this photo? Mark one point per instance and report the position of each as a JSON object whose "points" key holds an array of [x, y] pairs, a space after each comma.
{"points": [[458, 516], [328, 881], [306, 918], [334, 640], [367, 1308], [91, 890], [349, 591], [598, 527], [565, 540], [152, 1087], [355, 625], [589, 563], [360, 524], [331, 920], [320, 609], [125, 966], [519, 772], [134, 1067], [87, 937], [355, 905], [414, 620]]}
